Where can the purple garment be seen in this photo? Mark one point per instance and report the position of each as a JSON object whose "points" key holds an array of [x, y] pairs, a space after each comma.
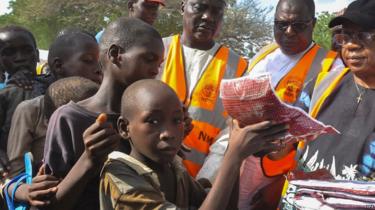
{"points": [[64, 145]]}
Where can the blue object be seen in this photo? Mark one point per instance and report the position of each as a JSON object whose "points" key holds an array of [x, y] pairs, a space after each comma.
{"points": [[2, 85], [99, 35], [23, 177]]}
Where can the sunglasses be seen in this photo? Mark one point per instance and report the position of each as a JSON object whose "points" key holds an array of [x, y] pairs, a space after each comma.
{"points": [[365, 38], [297, 26]]}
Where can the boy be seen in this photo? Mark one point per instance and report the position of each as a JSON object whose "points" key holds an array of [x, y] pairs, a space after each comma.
{"points": [[130, 50], [18, 53], [40, 192], [152, 177], [71, 54]]}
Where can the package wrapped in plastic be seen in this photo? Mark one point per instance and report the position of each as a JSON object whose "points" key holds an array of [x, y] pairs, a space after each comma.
{"points": [[252, 100]]}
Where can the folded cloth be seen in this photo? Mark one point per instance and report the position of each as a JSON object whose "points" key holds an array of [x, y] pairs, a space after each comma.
{"points": [[252, 100]]}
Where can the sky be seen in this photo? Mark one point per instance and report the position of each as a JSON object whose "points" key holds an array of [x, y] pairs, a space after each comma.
{"points": [[321, 5]]}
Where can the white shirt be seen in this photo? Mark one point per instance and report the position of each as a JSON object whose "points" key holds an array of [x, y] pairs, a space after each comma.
{"points": [[196, 61], [278, 64]]}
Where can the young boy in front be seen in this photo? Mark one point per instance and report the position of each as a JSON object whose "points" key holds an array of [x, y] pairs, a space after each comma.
{"points": [[152, 176], [130, 50]]}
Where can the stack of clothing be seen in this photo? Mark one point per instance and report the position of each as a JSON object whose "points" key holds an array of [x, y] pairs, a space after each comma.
{"points": [[335, 194]]}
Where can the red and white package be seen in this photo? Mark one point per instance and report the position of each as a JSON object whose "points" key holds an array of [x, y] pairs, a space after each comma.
{"points": [[253, 100]]}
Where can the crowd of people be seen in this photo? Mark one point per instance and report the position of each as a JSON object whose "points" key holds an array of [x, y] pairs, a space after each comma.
{"points": [[127, 119]]}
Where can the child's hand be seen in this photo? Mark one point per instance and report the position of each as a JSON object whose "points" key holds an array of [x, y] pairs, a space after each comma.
{"points": [[254, 138], [22, 79], [100, 139], [43, 189]]}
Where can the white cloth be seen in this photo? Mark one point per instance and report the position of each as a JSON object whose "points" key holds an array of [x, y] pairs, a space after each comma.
{"points": [[278, 64], [196, 61]]}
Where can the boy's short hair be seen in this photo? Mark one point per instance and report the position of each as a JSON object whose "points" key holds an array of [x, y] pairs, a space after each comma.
{"points": [[15, 28], [131, 95], [65, 90], [73, 30], [65, 44], [126, 33]]}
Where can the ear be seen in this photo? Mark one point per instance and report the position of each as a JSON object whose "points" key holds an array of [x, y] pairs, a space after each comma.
{"points": [[113, 54], [131, 6], [57, 67], [183, 3], [123, 127]]}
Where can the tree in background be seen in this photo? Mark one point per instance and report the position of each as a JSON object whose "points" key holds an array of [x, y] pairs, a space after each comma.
{"points": [[245, 28], [322, 34]]}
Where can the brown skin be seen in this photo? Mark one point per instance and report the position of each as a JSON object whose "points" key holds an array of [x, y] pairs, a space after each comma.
{"points": [[146, 11], [40, 193], [18, 52], [120, 69], [359, 57], [202, 20], [19, 57], [83, 61], [156, 132], [290, 41]]}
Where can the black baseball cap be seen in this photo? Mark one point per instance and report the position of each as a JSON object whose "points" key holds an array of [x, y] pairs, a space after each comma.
{"points": [[359, 12]]}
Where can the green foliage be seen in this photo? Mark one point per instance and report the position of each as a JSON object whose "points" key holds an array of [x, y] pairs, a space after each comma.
{"points": [[322, 34], [245, 27]]}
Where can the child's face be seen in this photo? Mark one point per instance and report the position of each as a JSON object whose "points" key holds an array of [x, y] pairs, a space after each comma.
{"points": [[84, 61], [17, 52], [142, 62], [156, 127]]}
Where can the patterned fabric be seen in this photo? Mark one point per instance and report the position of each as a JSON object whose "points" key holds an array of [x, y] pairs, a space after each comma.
{"points": [[367, 167], [127, 183]]}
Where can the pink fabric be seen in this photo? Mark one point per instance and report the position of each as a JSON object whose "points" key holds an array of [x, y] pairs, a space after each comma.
{"points": [[251, 181], [253, 100]]}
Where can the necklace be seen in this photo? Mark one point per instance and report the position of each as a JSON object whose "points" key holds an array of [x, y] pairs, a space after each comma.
{"points": [[360, 92]]}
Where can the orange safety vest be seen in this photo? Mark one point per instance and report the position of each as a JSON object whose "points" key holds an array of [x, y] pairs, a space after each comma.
{"points": [[315, 61], [325, 84], [204, 104], [312, 62]]}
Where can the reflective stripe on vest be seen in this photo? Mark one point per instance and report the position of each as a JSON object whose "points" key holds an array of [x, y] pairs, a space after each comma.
{"points": [[324, 86], [204, 105], [312, 62]]}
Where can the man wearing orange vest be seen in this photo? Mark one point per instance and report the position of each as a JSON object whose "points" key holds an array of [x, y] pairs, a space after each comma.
{"points": [[194, 67], [293, 62]]}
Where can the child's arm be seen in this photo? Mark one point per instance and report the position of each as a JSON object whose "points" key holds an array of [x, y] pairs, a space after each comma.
{"points": [[40, 193], [243, 142], [100, 139]]}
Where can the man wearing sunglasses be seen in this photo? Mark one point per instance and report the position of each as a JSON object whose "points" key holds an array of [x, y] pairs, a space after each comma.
{"points": [[293, 62], [345, 99]]}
